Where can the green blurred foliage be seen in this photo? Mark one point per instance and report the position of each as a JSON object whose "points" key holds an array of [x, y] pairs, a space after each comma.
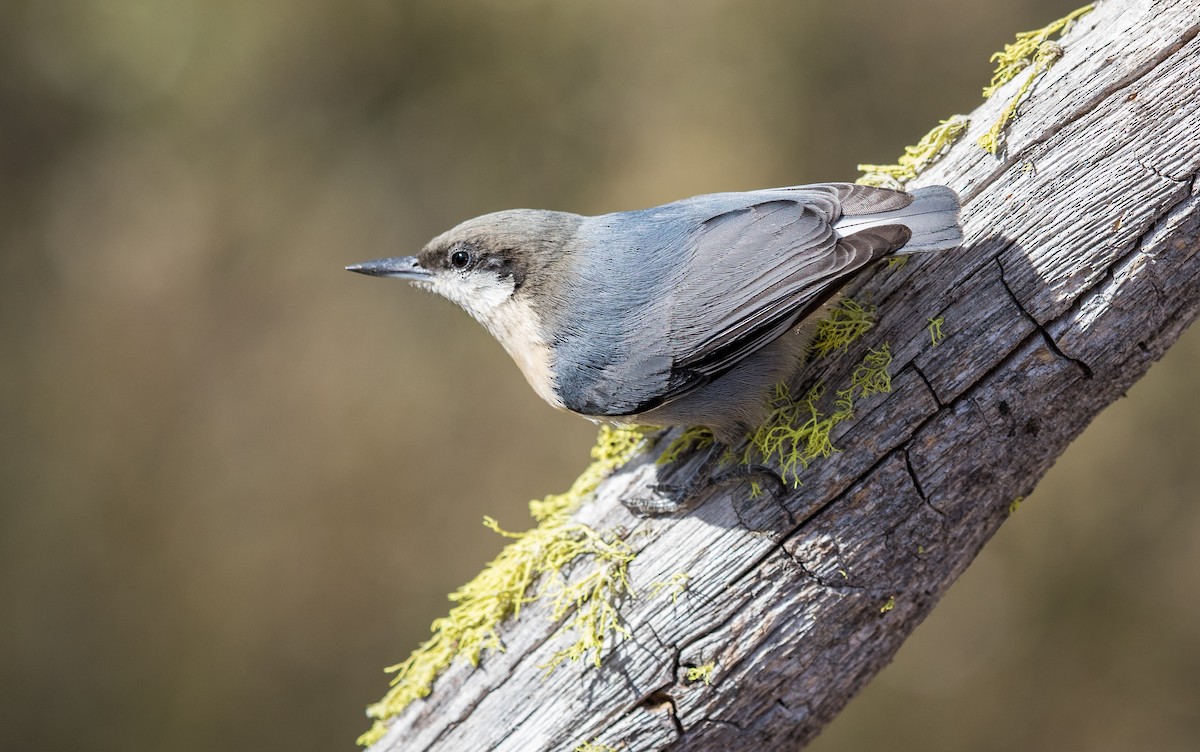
{"points": [[239, 481]]}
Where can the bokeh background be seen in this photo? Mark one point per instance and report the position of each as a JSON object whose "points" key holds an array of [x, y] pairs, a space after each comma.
{"points": [[236, 481]]}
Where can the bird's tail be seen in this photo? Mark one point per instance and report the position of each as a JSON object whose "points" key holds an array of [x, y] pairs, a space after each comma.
{"points": [[932, 216]]}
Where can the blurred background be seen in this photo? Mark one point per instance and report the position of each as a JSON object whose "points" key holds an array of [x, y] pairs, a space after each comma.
{"points": [[237, 481]]}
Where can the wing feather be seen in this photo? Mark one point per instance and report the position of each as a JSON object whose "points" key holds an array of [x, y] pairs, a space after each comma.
{"points": [[733, 272], [754, 272]]}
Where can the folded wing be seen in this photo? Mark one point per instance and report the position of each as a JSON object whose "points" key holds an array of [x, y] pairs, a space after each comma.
{"points": [[757, 270]]}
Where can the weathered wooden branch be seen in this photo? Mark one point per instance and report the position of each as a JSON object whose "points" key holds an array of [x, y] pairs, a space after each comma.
{"points": [[1082, 265]]}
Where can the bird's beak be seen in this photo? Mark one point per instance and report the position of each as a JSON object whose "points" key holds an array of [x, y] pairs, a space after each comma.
{"points": [[400, 267]]}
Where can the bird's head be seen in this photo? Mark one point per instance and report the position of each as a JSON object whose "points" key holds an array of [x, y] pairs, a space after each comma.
{"points": [[487, 262]]}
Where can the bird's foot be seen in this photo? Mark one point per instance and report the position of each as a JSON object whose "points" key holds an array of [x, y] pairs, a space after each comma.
{"points": [[684, 483]]}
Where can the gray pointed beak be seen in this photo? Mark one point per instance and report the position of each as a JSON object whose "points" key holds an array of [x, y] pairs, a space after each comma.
{"points": [[399, 267]]}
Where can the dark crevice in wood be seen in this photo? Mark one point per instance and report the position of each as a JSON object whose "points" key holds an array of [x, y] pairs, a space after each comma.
{"points": [[662, 701], [1051, 344], [928, 385], [912, 473]]}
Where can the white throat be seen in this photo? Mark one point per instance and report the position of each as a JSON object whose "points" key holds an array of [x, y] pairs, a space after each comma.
{"points": [[481, 295], [511, 320]]}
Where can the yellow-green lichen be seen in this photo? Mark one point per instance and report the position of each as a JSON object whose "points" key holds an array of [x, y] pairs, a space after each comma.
{"points": [[935, 330], [888, 605], [872, 376], [594, 598], [798, 430], [677, 584], [842, 326], [701, 673], [897, 262], [755, 489], [691, 440], [916, 158], [1031, 48], [505, 584], [1014, 505], [795, 434], [595, 746]]}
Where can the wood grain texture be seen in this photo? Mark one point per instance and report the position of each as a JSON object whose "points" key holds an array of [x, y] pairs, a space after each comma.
{"points": [[1081, 266]]}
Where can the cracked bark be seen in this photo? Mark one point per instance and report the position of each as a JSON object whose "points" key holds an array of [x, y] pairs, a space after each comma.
{"points": [[1081, 266]]}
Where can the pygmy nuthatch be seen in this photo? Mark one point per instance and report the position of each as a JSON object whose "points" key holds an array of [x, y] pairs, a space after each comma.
{"points": [[684, 314]]}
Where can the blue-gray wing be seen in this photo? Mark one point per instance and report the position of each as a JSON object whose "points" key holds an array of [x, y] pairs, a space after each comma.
{"points": [[753, 274], [757, 270], [741, 271]]}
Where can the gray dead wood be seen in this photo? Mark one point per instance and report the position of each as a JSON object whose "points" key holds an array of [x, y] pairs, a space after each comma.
{"points": [[1081, 267]]}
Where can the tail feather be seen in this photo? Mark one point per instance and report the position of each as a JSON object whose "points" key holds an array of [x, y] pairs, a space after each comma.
{"points": [[932, 217]]}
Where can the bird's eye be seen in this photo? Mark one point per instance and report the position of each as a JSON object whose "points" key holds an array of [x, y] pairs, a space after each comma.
{"points": [[460, 259]]}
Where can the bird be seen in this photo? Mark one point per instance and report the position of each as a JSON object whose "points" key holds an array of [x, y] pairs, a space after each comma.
{"points": [[685, 314]]}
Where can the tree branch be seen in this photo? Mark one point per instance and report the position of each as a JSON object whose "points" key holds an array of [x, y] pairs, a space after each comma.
{"points": [[1082, 265]]}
